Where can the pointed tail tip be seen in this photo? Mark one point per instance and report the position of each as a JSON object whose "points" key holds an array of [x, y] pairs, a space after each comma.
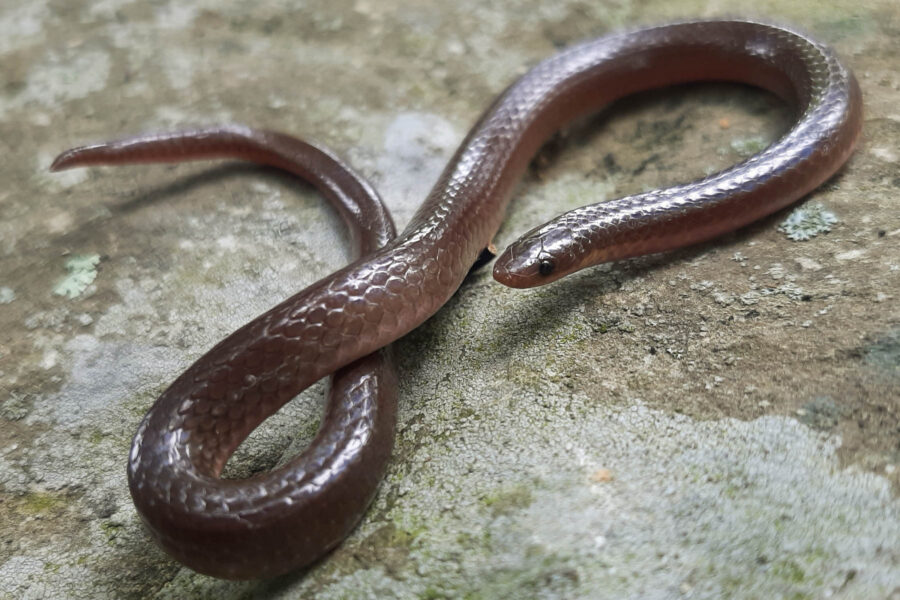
{"points": [[80, 156], [62, 161]]}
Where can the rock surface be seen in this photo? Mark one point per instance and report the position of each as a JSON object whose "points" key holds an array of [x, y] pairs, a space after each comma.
{"points": [[718, 422]]}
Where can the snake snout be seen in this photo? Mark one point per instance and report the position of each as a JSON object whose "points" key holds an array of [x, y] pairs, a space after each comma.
{"points": [[539, 257], [524, 265]]}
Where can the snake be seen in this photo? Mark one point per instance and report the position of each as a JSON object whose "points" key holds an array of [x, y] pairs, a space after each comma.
{"points": [[290, 517]]}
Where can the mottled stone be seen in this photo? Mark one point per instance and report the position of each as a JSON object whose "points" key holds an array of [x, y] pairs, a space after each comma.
{"points": [[740, 398]]}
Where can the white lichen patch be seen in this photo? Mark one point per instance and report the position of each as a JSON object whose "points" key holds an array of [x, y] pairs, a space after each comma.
{"points": [[82, 272], [21, 24], [808, 221], [885, 154], [850, 255], [508, 504], [106, 9], [60, 78], [103, 376], [415, 150], [176, 15], [179, 67]]}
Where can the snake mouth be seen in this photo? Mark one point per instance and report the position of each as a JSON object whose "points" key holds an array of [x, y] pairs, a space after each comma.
{"points": [[512, 269], [524, 266], [510, 278]]}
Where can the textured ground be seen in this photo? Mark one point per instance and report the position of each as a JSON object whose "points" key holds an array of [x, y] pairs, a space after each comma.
{"points": [[720, 422]]}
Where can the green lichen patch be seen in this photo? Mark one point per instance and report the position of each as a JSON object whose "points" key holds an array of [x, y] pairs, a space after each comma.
{"points": [[822, 413], [748, 146], [884, 354], [82, 272], [808, 221], [16, 407], [789, 570]]}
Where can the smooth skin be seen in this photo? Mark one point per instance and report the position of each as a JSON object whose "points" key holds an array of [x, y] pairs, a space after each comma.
{"points": [[251, 528], [270, 523]]}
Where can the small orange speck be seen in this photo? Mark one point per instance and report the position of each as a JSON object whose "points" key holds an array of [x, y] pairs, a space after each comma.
{"points": [[724, 123], [601, 476]]}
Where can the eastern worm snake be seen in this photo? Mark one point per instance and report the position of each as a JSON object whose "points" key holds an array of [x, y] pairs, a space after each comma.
{"points": [[285, 519], [266, 524]]}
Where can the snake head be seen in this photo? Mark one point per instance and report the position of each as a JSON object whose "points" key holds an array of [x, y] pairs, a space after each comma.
{"points": [[539, 257]]}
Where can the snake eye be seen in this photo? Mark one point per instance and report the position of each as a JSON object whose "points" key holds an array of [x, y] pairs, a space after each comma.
{"points": [[546, 266]]}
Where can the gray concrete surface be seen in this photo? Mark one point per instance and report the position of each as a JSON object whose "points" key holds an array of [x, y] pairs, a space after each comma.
{"points": [[718, 422]]}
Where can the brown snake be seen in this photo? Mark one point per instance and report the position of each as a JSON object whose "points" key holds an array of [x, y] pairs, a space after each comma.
{"points": [[287, 518]]}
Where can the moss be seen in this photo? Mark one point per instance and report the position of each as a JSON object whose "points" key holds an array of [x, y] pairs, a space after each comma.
{"points": [[509, 500], [884, 354], [542, 575], [40, 503], [139, 405], [111, 530], [847, 27], [465, 412], [789, 571], [52, 567], [404, 538], [310, 429]]}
